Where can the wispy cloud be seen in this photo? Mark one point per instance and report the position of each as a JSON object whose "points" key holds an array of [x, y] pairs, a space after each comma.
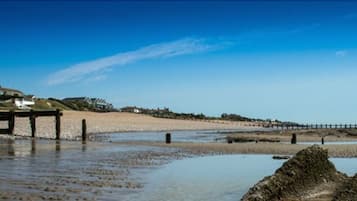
{"points": [[83, 70], [350, 16], [341, 53]]}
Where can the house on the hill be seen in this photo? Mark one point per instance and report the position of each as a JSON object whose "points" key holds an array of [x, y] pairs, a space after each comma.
{"points": [[97, 103], [16, 97]]}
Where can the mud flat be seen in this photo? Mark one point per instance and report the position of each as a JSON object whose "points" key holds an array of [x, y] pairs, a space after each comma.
{"points": [[336, 150], [308, 176], [305, 135]]}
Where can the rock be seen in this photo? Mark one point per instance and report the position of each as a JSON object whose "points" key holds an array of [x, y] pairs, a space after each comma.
{"points": [[306, 169], [281, 157], [347, 191]]}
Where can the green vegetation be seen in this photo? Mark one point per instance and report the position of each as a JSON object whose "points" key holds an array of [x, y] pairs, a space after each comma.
{"points": [[45, 104], [167, 113], [7, 106]]}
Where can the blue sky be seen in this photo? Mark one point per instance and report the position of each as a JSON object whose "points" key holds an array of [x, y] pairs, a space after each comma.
{"points": [[286, 60]]}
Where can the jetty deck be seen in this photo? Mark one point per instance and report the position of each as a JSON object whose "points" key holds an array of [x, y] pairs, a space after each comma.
{"points": [[10, 117]]}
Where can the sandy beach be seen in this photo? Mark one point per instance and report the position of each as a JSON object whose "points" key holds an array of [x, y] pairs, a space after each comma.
{"points": [[114, 122]]}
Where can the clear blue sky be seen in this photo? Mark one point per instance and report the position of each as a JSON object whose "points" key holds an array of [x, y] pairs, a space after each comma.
{"points": [[291, 61]]}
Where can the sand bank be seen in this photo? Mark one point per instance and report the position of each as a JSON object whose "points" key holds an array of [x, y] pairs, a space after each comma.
{"points": [[343, 150]]}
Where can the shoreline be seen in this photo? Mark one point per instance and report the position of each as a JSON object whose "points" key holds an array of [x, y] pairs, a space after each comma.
{"points": [[115, 122]]}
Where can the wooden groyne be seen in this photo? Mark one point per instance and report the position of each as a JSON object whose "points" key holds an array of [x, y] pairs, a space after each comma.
{"points": [[311, 126], [10, 117]]}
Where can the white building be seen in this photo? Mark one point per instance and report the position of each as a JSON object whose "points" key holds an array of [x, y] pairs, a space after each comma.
{"points": [[16, 97]]}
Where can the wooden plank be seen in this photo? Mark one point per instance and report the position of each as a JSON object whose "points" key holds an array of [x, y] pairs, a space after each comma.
{"points": [[33, 124], [38, 113], [4, 131], [4, 118], [58, 124], [11, 122]]}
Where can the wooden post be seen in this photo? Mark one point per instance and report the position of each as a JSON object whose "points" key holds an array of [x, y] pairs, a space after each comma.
{"points": [[293, 139], [322, 141], [33, 123], [168, 138], [58, 124], [84, 130], [11, 122]]}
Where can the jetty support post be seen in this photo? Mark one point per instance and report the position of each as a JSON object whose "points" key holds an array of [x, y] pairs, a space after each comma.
{"points": [[11, 122], [293, 139], [84, 130], [58, 124], [33, 123], [168, 138]]}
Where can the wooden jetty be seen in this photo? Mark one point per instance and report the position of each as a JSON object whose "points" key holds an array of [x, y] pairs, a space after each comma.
{"points": [[311, 126], [10, 117]]}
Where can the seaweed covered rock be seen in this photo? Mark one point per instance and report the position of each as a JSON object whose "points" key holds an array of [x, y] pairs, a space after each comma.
{"points": [[307, 169], [348, 191]]}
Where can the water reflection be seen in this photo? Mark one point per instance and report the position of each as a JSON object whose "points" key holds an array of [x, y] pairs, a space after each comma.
{"points": [[10, 147], [33, 146], [58, 145], [84, 146]]}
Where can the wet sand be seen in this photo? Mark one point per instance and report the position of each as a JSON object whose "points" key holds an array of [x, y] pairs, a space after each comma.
{"points": [[336, 150], [114, 122], [305, 135], [69, 170]]}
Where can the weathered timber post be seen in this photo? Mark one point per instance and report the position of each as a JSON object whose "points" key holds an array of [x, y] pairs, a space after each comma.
{"points": [[33, 123], [293, 139], [322, 140], [58, 124], [168, 138], [11, 122], [84, 130]]}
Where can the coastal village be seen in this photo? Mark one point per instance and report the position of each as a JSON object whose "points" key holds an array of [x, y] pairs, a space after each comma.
{"points": [[16, 99]]}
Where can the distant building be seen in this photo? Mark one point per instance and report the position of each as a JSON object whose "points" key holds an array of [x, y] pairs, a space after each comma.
{"points": [[97, 103], [16, 97]]}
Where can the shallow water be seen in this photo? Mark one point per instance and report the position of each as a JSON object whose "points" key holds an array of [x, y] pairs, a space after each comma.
{"points": [[45, 170], [95, 170], [212, 178], [176, 136]]}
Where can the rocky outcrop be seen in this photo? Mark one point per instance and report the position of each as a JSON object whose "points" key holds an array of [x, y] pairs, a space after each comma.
{"points": [[347, 191], [306, 170]]}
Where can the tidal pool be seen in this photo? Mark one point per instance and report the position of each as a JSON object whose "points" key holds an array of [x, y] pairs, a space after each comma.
{"points": [[211, 178]]}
